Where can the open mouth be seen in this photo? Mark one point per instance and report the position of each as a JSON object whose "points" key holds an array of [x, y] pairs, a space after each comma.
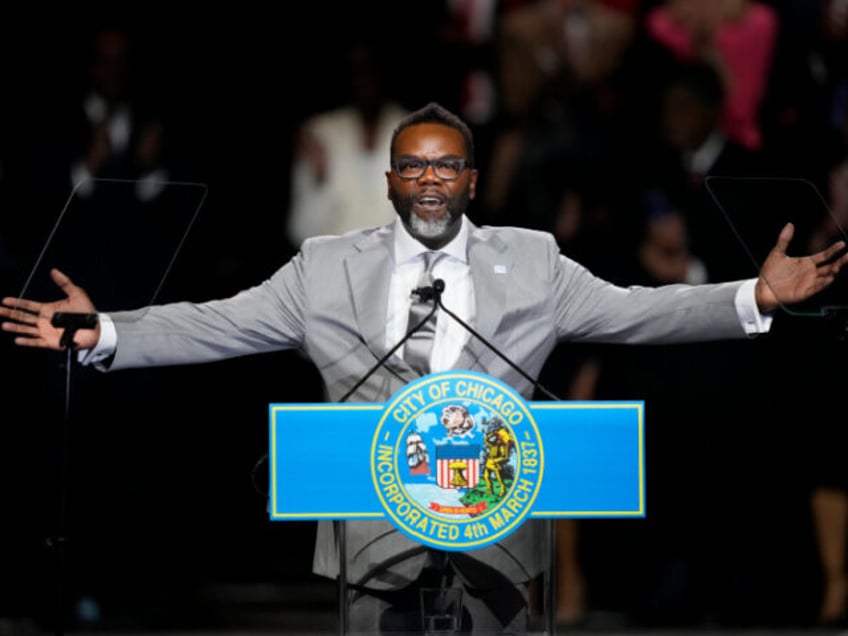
{"points": [[430, 205]]}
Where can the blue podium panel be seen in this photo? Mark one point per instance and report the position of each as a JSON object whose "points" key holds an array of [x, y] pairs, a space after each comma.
{"points": [[319, 461], [594, 453], [456, 460]]}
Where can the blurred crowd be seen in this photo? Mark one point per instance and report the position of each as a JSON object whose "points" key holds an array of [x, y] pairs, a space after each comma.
{"points": [[609, 123]]}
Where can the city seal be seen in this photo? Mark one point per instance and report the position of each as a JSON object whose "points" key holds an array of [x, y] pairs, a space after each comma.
{"points": [[457, 460]]}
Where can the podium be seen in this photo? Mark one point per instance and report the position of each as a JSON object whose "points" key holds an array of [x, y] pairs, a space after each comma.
{"points": [[455, 466]]}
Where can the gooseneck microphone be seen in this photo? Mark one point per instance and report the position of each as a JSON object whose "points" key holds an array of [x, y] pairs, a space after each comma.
{"points": [[430, 292], [434, 293]]}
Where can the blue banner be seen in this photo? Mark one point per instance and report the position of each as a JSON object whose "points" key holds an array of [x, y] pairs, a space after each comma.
{"points": [[456, 460]]}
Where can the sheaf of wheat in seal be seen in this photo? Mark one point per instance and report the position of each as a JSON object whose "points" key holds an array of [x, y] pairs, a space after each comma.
{"points": [[457, 460]]}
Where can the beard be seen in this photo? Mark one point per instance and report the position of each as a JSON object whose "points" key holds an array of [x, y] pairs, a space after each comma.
{"points": [[430, 229]]}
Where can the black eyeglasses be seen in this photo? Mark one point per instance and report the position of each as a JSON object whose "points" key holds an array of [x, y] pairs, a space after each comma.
{"points": [[447, 168]]}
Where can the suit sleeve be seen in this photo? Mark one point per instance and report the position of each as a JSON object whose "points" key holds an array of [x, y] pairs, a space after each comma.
{"points": [[267, 317], [590, 309]]}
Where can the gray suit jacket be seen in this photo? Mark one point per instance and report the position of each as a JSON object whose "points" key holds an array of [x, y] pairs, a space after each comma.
{"points": [[330, 301]]}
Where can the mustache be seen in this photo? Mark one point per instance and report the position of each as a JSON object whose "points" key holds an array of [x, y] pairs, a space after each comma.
{"points": [[456, 204]]}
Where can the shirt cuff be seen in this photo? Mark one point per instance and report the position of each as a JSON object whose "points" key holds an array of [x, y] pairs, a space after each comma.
{"points": [[752, 319], [100, 354]]}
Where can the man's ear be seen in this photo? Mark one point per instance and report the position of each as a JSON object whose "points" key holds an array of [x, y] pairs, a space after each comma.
{"points": [[472, 184]]}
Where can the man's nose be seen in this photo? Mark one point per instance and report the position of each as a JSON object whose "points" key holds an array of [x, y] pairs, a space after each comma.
{"points": [[429, 173]]}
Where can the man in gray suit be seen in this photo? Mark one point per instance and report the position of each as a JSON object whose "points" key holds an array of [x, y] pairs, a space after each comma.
{"points": [[344, 301]]}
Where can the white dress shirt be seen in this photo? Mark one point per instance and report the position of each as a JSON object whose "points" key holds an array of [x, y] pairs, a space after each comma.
{"points": [[458, 295]]}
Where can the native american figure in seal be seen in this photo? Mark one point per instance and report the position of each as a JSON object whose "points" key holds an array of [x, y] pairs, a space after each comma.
{"points": [[499, 446]]}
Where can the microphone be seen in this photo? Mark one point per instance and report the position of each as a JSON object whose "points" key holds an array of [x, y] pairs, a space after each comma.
{"points": [[434, 292], [431, 292], [71, 322]]}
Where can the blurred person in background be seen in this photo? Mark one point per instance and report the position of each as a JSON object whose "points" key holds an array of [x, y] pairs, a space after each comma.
{"points": [[737, 37], [339, 156]]}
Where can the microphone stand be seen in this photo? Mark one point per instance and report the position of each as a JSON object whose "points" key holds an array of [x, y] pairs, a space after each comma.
{"points": [[425, 293], [71, 323]]}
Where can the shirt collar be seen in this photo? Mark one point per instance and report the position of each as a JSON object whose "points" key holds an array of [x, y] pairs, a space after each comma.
{"points": [[408, 248]]}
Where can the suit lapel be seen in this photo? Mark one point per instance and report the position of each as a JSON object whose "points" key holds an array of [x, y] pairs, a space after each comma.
{"points": [[491, 266], [369, 270]]}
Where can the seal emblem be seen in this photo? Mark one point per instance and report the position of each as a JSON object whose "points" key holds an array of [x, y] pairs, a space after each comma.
{"points": [[457, 460]]}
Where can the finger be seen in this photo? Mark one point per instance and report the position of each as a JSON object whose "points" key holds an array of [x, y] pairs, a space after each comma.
{"points": [[784, 238], [31, 342], [19, 317], [823, 283], [21, 329], [827, 254], [19, 308], [12, 302], [62, 280], [834, 268]]}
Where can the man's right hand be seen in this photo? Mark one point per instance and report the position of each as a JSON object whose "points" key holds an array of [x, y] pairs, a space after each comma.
{"points": [[31, 320]]}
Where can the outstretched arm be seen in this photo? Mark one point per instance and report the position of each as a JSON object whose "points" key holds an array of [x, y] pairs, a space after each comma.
{"points": [[31, 320], [785, 280]]}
